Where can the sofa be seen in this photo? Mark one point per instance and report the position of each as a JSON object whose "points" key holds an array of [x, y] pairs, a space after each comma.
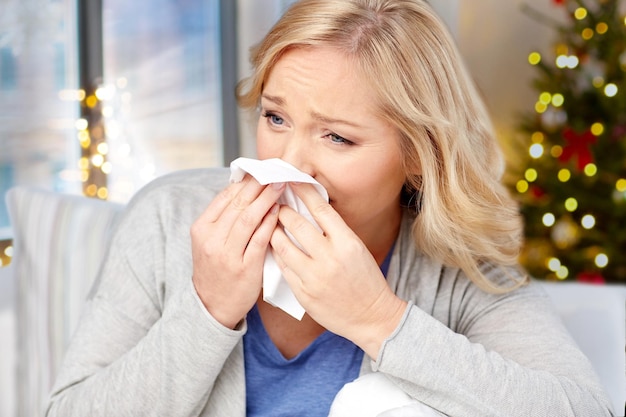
{"points": [[60, 239]]}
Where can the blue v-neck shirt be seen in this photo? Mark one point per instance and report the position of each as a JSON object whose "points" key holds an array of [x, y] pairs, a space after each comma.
{"points": [[304, 385]]}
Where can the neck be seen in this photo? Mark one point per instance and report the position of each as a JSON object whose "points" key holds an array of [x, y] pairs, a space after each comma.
{"points": [[380, 242]]}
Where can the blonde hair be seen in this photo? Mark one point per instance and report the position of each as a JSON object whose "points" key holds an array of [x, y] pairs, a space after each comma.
{"points": [[408, 58]]}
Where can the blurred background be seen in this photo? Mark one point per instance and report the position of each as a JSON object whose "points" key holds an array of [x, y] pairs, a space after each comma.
{"points": [[159, 86], [98, 97]]}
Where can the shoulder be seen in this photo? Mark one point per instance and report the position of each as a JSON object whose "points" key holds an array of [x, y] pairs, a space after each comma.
{"points": [[184, 182], [186, 188], [170, 204]]}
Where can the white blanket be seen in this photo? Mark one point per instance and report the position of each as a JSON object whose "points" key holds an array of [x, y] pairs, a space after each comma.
{"points": [[374, 395]]}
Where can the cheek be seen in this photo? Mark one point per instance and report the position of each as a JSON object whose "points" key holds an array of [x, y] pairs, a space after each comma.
{"points": [[264, 148], [376, 186]]}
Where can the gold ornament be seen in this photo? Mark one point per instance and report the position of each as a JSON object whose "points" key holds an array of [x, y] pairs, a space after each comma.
{"points": [[565, 233]]}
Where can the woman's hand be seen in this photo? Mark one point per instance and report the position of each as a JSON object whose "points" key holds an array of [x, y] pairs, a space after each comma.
{"points": [[335, 278], [229, 241]]}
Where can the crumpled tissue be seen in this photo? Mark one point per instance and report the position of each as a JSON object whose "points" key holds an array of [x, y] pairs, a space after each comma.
{"points": [[276, 291]]}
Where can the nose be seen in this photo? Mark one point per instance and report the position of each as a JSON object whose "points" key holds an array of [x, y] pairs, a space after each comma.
{"points": [[298, 153]]}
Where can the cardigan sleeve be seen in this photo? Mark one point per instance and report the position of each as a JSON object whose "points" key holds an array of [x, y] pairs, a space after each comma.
{"points": [[145, 346], [492, 355]]}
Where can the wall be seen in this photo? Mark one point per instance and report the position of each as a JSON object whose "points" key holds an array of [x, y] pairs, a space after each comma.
{"points": [[495, 37]]}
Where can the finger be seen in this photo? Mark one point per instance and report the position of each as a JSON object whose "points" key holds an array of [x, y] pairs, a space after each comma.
{"points": [[215, 209], [246, 219], [324, 214], [289, 258], [257, 247], [306, 235]]}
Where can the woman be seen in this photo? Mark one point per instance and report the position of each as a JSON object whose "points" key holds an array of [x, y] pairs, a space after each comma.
{"points": [[412, 275]]}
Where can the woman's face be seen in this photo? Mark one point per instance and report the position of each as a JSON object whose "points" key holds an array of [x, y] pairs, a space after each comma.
{"points": [[319, 115]]}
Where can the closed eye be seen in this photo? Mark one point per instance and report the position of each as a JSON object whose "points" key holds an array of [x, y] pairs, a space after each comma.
{"points": [[334, 138]]}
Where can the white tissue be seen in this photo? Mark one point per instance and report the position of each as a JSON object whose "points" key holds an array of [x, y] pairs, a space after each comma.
{"points": [[374, 395], [276, 291]]}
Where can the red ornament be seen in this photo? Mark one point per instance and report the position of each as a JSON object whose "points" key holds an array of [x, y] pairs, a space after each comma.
{"points": [[591, 278], [537, 192], [558, 2], [577, 145]]}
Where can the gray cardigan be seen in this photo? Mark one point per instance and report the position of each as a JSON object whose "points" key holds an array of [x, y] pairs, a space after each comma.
{"points": [[146, 346]]}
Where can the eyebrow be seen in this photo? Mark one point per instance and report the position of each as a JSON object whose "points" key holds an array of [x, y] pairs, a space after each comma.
{"points": [[317, 116]]}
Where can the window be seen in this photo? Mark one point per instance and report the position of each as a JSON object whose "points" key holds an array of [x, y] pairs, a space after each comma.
{"points": [[169, 70], [162, 96], [37, 63]]}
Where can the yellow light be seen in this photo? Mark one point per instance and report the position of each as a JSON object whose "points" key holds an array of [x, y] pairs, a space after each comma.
{"points": [[587, 34], [105, 93], [556, 151], [536, 150], [530, 175], [597, 81], [81, 124], [580, 13], [591, 170], [572, 61], [522, 186], [537, 137], [601, 260], [540, 107], [92, 189], [102, 193], [91, 101], [106, 167], [534, 58], [545, 98], [84, 139], [562, 272], [548, 219], [8, 251], [565, 61], [71, 95], [84, 176], [571, 204], [602, 28], [97, 160], [564, 175], [557, 100], [562, 49], [610, 90], [588, 221], [620, 185], [597, 129], [554, 264], [103, 148], [83, 163]]}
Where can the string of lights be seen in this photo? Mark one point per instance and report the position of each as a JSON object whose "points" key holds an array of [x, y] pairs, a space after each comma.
{"points": [[571, 182]]}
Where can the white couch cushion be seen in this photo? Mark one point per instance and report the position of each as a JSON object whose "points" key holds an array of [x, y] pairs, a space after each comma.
{"points": [[59, 241], [595, 315]]}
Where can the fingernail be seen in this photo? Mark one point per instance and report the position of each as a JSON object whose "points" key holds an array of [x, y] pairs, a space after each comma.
{"points": [[274, 209], [278, 185]]}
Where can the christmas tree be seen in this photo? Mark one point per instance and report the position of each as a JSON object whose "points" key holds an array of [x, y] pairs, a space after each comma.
{"points": [[571, 173]]}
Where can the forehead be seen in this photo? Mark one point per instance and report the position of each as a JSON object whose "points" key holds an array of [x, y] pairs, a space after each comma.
{"points": [[325, 74]]}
